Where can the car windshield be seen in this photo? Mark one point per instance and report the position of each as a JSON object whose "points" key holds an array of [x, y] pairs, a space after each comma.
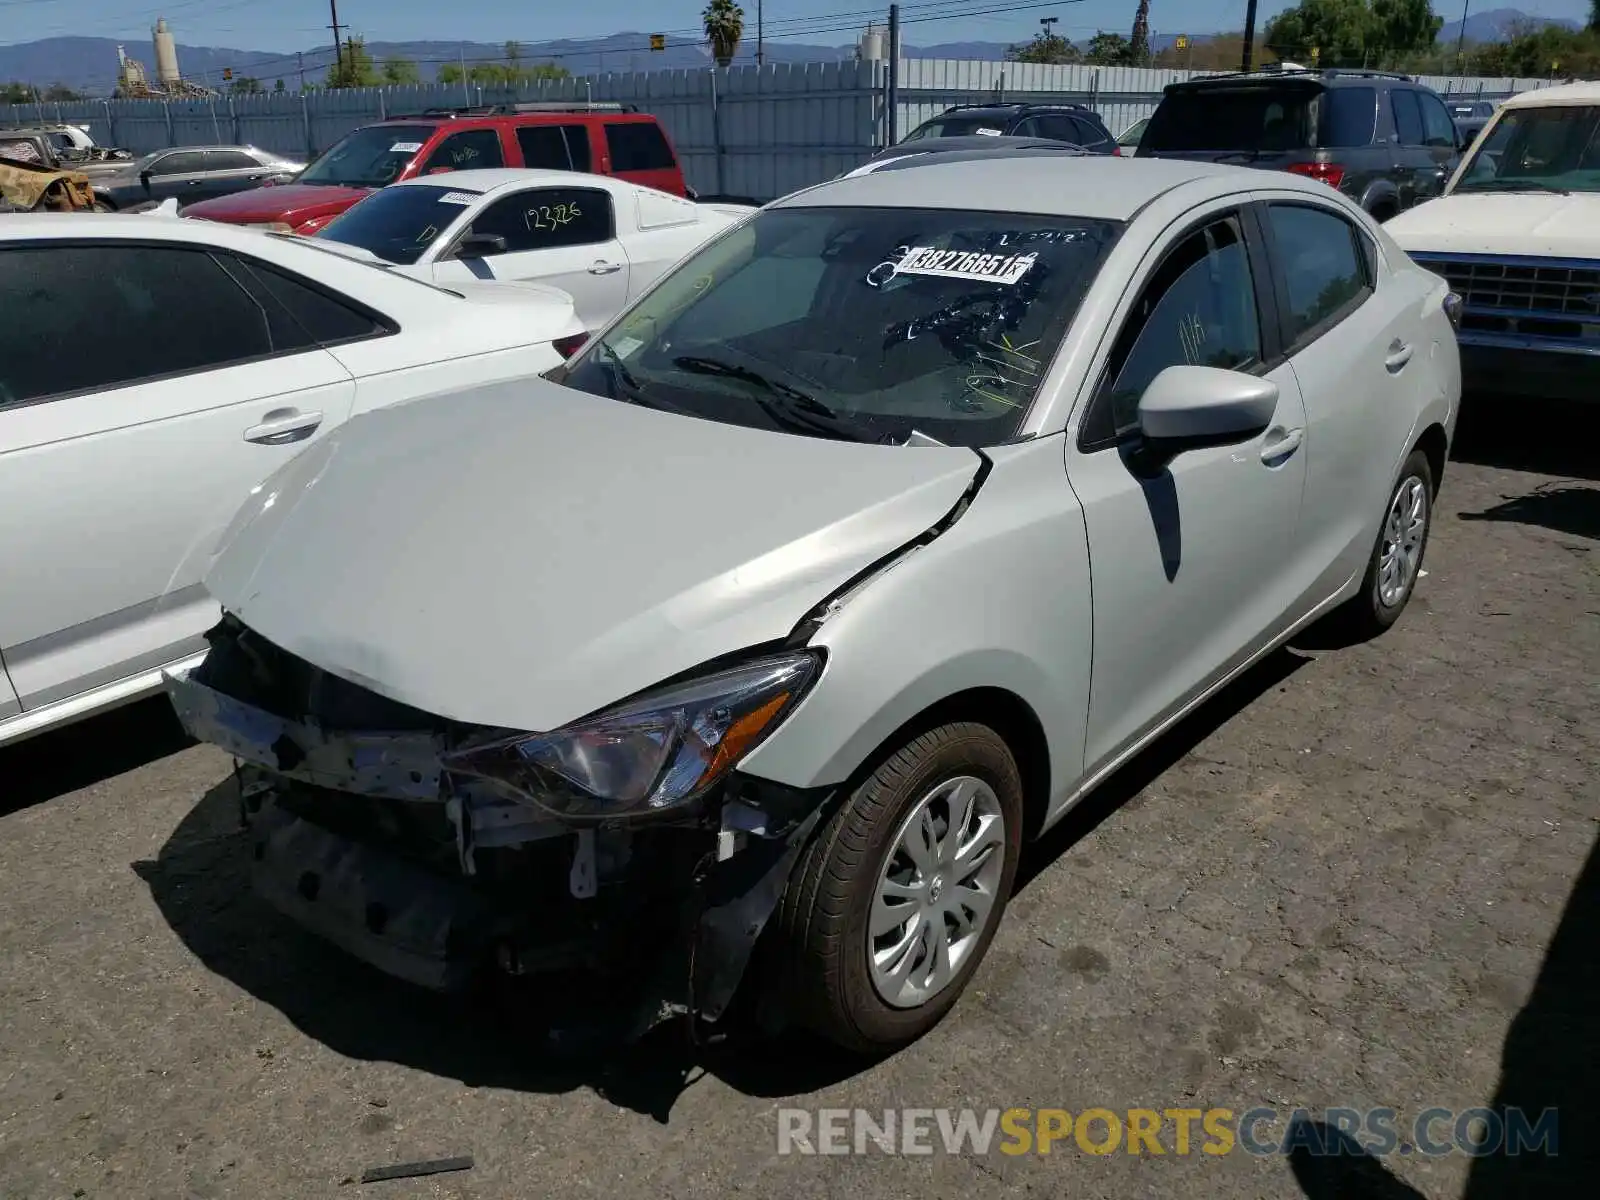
{"points": [[368, 158], [398, 224], [1250, 118], [866, 323], [991, 124], [1537, 150]]}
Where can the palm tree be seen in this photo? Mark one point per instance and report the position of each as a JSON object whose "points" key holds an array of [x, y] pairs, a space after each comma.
{"points": [[724, 25]]}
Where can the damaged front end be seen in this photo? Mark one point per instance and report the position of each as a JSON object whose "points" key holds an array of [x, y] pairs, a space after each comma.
{"points": [[624, 846]]}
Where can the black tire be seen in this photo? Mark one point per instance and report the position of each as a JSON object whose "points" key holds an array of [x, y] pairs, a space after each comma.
{"points": [[822, 920], [1366, 615]]}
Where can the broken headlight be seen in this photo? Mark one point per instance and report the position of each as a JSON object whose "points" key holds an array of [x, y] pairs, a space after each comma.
{"points": [[656, 752]]}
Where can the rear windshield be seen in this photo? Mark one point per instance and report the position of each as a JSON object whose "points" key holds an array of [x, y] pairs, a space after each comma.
{"points": [[369, 158], [398, 224], [1243, 118], [957, 127], [877, 320]]}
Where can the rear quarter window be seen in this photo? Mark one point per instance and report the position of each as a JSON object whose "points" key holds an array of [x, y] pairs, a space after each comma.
{"points": [[1239, 118], [638, 146], [1349, 117]]}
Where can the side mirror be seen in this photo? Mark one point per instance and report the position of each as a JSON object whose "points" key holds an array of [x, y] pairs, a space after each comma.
{"points": [[1187, 408], [480, 245]]}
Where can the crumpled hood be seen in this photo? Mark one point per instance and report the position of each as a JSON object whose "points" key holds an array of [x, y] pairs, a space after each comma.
{"points": [[522, 554], [1531, 224]]}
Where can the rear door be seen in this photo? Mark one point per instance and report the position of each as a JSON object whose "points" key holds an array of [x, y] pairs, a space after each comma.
{"points": [[1440, 136], [143, 393], [180, 175], [1357, 353], [639, 152], [1413, 164], [230, 171], [563, 236]]}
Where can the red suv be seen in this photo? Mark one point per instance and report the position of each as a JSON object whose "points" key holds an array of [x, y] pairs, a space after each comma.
{"points": [[604, 139]]}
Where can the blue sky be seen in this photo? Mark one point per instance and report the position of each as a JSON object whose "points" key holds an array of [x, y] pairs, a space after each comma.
{"points": [[301, 24]]}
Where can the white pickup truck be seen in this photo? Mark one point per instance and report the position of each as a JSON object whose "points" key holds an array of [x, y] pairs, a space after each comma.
{"points": [[1517, 233]]}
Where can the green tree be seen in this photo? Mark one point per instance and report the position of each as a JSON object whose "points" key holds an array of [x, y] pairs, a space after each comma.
{"points": [[245, 85], [1139, 40], [513, 54], [355, 67], [1594, 16], [1108, 50], [1353, 33], [278, 86], [400, 70], [16, 93], [1045, 48], [724, 25], [60, 91]]}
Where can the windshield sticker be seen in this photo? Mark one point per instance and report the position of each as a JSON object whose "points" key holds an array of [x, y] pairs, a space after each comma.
{"points": [[458, 197], [987, 132], [405, 147], [958, 264]]}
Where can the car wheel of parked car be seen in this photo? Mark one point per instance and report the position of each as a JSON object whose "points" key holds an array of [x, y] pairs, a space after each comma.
{"points": [[896, 898], [1396, 558]]}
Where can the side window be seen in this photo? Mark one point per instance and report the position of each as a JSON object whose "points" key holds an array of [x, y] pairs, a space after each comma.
{"points": [[1407, 117], [1437, 128], [578, 146], [467, 151], [1063, 129], [549, 218], [84, 318], [544, 147], [1324, 273], [1029, 127], [1199, 309], [1348, 117], [638, 146], [1089, 133], [230, 160], [190, 162], [319, 317]]}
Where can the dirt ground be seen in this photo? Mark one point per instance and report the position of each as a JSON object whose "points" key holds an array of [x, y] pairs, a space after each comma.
{"points": [[1365, 876]]}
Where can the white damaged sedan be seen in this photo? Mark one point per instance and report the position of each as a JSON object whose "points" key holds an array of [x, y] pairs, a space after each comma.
{"points": [[850, 557]]}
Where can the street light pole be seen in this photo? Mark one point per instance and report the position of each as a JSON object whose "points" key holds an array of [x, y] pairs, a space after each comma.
{"points": [[1461, 39], [1047, 22], [1249, 36]]}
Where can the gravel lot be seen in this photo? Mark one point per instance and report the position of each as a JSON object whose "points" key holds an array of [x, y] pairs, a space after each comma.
{"points": [[1366, 876]]}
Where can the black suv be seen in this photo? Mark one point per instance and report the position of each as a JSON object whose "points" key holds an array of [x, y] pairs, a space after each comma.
{"points": [[1070, 123], [1384, 140]]}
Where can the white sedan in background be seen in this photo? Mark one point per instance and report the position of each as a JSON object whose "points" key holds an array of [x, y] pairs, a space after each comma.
{"points": [[601, 240], [153, 371]]}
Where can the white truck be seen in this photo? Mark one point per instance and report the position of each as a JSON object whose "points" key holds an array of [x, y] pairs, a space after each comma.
{"points": [[1517, 233]]}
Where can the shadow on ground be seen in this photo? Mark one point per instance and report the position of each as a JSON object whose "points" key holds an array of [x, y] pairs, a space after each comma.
{"points": [[199, 881], [1523, 434], [1547, 1063], [87, 753], [1565, 508]]}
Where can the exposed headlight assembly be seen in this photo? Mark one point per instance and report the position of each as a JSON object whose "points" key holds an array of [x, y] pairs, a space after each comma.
{"points": [[654, 753]]}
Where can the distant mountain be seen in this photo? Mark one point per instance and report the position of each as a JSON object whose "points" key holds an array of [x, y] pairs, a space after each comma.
{"points": [[89, 64]]}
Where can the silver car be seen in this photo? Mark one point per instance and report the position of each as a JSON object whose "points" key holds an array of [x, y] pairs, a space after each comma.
{"points": [[850, 557]]}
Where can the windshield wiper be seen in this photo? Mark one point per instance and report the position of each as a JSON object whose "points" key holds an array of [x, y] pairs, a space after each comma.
{"points": [[1513, 185], [624, 387], [787, 405]]}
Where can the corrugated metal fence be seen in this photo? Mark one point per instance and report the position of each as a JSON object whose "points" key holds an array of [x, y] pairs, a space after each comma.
{"points": [[752, 131]]}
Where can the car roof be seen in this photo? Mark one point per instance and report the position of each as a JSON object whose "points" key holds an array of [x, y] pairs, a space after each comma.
{"points": [[1093, 186], [1561, 93], [142, 226], [487, 179]]}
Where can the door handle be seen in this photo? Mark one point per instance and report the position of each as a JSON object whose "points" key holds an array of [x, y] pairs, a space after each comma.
{"points": [[282, 426], [1280, 447], [1399, 356], [602, 267]]}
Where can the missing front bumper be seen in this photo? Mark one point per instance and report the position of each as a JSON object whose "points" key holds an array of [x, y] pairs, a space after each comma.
{"points": [[363, 840]]}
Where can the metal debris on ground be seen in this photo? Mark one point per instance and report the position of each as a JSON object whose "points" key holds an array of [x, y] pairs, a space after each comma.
{"points": [[436, 1166]]}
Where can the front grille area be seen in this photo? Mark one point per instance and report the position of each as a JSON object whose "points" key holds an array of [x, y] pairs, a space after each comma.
{"points": [[1558, 288]]}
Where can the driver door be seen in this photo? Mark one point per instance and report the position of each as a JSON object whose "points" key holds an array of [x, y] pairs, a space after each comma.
{"points": [[1194, 566], [562, 236]]}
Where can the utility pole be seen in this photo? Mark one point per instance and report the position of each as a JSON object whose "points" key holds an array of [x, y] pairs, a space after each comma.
{"points": [[466, 92], [1461, 40], [338, 43], [761, 48], [893, 126], [300, 61], [1249, 35]]}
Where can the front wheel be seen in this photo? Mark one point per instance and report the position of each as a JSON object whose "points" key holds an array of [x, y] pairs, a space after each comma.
{"points": [[1396, 561], [897, 897]]}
